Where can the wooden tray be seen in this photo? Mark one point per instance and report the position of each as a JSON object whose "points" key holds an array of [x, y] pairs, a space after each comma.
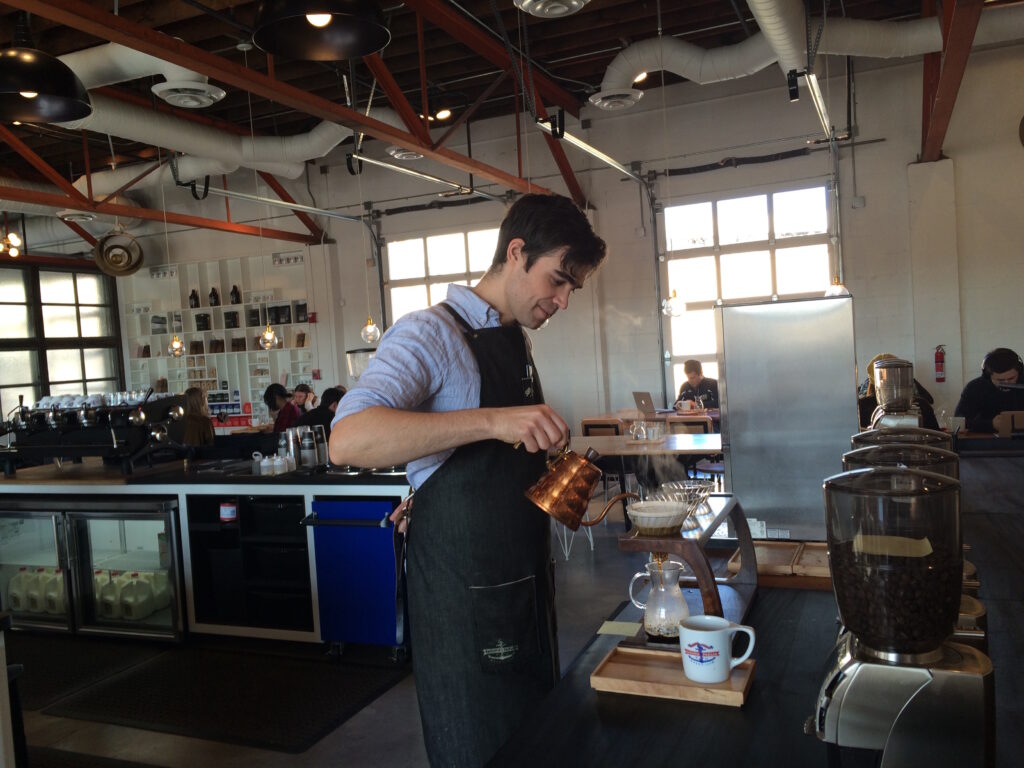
{"points": [[647, 672], [813, 560], [775, 558]]}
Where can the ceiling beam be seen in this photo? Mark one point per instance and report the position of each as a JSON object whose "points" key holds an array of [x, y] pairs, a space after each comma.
{"points": [[282, 193], [81, 232], [562, 161], [106, 26], [466, 31], [56, 200], [958, 36], [396, 98], [39, 164], [467, 113]]}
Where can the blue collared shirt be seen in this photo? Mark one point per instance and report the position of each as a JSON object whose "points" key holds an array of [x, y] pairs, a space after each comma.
{"points": [[424, 364]]}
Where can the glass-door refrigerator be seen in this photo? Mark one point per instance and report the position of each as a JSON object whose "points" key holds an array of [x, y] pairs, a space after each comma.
{"points": [[33, 569], [115, 557]]}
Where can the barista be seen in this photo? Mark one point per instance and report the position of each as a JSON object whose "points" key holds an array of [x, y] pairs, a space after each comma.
{"points": [[996, 390], [453, 392]]}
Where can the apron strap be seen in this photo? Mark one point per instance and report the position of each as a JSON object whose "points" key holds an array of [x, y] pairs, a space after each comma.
{"points": [[458, 318]]}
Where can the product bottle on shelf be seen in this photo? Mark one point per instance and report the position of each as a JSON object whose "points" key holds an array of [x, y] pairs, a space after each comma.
{"points": [[214, 297], [53, 597], [36, 592], [136, 598], [110, 597], [236, 295], [17, 590], [193, 299]]}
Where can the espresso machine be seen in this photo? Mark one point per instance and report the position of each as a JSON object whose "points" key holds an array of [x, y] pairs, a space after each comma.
{"points": [[894, 391], [894, 682]]}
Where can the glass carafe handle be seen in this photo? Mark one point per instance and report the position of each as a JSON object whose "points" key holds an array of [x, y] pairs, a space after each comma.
{"points": [[637, 603]]}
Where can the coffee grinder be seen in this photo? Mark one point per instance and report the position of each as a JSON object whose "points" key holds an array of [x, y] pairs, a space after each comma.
{"points": [[894, 391], [894, 682]]}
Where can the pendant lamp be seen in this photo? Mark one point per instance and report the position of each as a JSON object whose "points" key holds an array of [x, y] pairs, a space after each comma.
{"points": [[268, 339], [320, 30], [36, 87], [370, 332], [176, 348]]}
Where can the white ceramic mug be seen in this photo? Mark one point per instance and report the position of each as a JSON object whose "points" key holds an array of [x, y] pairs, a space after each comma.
{"points": [[706, 645]]}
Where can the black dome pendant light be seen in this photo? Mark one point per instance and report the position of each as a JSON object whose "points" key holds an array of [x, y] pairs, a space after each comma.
{"points": [[36, 87], [320, 30]]}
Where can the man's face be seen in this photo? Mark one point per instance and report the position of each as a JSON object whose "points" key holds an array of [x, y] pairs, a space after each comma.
{"points": [[1006, 377], [535, 295], [694, 379]]}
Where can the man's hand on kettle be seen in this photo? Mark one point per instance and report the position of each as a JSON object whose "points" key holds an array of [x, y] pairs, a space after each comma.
{"points": [[534, 427]]}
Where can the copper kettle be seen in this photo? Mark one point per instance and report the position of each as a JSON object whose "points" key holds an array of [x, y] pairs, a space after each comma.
{"points": [[564, 492]]}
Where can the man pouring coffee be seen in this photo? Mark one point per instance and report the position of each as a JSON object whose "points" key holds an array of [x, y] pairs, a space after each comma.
{"points": [[453, 393]]}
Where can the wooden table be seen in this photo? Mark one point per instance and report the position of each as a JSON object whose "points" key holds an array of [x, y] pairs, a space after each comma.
{"points": [[669, 445]]}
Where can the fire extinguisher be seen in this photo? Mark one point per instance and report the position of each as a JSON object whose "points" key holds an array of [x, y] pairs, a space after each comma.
{"points": [[940, 362]]}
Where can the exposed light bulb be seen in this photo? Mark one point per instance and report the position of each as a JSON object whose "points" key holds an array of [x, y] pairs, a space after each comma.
{"points": [[16, 122], [29, 94], [14, 239], [15, 253], [443, 114], [176, 348], [268, 339], [836, 288], [640, 78], [370, 331], [318, 19]]}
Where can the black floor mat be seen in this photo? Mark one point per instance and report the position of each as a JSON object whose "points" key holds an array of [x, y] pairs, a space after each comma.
{"points": [[236, 696], [57, 665], [45, 757]]}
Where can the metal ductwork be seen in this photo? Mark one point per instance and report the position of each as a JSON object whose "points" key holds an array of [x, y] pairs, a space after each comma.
{"points": [[782, 40], [112, 63]]}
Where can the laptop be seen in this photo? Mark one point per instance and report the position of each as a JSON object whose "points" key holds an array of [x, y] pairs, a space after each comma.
{"points": [[645, 404]]}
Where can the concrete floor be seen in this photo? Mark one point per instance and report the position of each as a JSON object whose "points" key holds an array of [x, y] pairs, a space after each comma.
{"points": [[590, 585]]}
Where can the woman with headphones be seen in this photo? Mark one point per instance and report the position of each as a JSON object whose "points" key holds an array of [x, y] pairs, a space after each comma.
{"points": [[999, 388]]}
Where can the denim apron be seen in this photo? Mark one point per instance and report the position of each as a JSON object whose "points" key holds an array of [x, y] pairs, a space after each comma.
{"points": [[480, 576]]}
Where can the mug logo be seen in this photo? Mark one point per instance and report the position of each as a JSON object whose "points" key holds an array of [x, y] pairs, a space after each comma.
{"points": [[501, 651], [700, 653]]}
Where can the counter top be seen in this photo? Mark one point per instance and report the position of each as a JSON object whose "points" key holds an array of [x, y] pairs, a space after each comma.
{"points": [[576, 725]]}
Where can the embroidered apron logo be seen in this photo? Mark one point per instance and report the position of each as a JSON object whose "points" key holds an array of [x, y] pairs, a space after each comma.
{"points": [[501, 651], [700, 653]]}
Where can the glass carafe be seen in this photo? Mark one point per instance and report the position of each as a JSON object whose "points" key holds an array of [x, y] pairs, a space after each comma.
{"points": [[665, 606], [895, 552]]}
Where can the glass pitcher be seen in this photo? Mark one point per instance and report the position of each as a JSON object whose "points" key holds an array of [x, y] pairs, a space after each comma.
{"points": [[665, 606]]}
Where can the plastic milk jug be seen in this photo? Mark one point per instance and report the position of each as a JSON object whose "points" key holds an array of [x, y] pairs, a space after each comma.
{"points": [[136, 599], [110, 595], [36, 592], [100, 579], [53, 597], [17, 589], [157, 581]]}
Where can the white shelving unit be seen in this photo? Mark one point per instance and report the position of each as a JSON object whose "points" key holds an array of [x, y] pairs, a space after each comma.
{"points": [[221, 350]]}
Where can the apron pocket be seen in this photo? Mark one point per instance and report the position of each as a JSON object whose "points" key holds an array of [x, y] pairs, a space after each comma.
{"points": [[505, 629]]}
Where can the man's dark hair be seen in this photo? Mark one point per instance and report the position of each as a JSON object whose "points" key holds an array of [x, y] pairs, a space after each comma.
{"points": [[1001, 360], [693, 366], [329, 397], [273, 392], [547, 222]]}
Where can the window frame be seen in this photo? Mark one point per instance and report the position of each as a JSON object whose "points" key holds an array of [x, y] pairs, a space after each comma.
{"points": [[470, 277], [717, 250], [40, 344]]}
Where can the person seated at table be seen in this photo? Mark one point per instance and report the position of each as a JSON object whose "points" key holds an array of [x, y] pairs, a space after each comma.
{"points": [[304, 397], [698, 388], [279, 403], [867, 401], [323, 413], [995, 391], [198, 427]]}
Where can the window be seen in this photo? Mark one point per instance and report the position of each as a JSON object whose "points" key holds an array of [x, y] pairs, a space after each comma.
{"points": [[747, 248], [421, 269], [59, 334]]}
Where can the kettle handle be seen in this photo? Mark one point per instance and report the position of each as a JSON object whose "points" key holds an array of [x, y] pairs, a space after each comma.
{"points": [[611, 503]]}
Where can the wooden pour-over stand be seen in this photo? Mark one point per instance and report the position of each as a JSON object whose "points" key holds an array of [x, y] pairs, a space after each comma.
{"points": [[730, 596]]}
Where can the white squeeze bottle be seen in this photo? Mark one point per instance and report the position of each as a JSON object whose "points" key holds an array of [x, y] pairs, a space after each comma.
{"points": [[110, 596], [136, 599], [16, 590], [53, 597], [36, 592]]}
